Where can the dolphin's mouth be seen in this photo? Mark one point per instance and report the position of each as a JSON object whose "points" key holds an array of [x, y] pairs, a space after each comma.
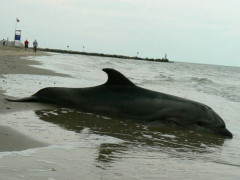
{"points": [[217, 130], [223, 131]]}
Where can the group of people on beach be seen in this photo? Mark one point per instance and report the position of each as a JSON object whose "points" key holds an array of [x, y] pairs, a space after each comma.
{"points": [[26, 43], [35, 45]]}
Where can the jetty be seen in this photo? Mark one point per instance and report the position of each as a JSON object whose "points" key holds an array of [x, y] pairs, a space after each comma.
{"points": [[104, 55]]}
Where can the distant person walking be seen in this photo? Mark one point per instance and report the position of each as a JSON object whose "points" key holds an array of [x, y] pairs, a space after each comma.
{"points": [[35, 45], [3, 41], [26, 44]]}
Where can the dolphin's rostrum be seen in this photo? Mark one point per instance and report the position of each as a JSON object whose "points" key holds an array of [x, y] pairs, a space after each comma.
{"points": [[119, 97]]}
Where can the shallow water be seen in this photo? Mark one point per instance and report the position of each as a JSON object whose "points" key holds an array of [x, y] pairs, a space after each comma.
{"points": [[89, 146]]}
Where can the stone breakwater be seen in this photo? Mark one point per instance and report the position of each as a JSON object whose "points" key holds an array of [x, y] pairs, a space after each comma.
{"points": [[103, 55]]}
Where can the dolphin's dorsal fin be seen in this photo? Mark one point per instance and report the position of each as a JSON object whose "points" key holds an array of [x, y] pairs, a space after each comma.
{"points": [[116, 78]]}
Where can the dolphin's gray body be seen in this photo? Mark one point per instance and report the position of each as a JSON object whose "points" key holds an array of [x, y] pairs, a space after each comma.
{"points": [[119, 97]]}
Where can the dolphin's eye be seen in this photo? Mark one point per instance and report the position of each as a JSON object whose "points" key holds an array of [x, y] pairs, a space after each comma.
{"points": [[200, 123]]}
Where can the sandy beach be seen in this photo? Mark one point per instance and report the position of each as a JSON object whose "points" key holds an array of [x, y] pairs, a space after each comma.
{"points": [[13, 61]]}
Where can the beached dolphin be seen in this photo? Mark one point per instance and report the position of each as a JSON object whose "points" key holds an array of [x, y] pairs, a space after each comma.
{"points": [[119, 97]]}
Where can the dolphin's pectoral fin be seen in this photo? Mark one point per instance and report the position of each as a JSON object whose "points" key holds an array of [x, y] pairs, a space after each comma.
{"points": [[170, 122], [165, 119], [173, 122], [116, 78]]}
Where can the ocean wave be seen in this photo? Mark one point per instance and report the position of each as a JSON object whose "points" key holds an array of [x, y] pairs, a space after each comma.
{"points": [[163, 77], [229, 92], [201, 80]]}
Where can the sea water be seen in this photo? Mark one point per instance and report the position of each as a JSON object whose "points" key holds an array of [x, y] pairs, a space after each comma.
{"points": [[90, 146]]}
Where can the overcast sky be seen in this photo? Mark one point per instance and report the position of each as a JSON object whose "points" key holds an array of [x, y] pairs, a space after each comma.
{"points": [[198, 31]]}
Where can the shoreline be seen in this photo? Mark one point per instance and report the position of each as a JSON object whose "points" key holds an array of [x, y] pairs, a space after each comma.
{"points": [[13, 61]]}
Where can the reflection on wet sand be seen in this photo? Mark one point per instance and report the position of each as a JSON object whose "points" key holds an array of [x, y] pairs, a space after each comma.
{"points": [[163, 139]]}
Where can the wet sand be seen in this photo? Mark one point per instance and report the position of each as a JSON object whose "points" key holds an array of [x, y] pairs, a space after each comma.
{"points": [[12, 140], [13, 61]]}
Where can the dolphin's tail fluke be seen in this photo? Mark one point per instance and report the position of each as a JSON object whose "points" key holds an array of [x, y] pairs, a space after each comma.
{"points": [[27, 99]]}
